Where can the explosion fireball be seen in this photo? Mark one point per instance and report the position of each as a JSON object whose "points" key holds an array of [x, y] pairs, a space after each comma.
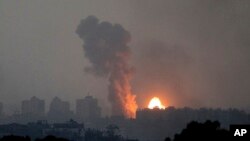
{"points": [[155, 103]]}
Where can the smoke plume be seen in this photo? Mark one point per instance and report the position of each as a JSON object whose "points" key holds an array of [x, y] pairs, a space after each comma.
{"points": [[105, 45]]}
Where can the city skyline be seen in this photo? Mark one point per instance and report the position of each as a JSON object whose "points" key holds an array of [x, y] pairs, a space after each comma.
{"points": [[47, 107]]}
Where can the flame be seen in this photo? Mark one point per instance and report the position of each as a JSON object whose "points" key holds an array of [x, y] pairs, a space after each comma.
{"points": [[155, 103]]}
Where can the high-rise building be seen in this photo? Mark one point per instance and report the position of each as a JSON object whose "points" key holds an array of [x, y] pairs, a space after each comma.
{"points": [[87, 109], [33, 109], [59, 110]]}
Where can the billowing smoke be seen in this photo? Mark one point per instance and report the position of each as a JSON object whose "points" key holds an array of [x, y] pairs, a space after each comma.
{"points": [[105, 45]]}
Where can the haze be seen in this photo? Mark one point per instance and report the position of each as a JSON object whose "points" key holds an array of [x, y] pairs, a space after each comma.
{"points": [[188, 53]]}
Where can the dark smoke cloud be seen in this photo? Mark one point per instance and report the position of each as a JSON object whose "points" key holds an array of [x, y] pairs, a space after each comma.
{"points": [[105, 45]]}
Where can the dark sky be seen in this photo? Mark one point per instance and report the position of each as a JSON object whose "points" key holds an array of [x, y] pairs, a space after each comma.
{"points": [[189, 53]]}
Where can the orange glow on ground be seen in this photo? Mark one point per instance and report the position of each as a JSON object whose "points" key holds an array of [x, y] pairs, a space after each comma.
{"points": [[155, 103]]}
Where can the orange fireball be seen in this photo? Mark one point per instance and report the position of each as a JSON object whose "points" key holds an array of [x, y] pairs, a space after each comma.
{"points": [[155, 103]]}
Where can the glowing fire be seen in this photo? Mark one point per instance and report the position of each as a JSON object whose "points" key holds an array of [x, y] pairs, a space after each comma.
{"points": [[155, 103]]}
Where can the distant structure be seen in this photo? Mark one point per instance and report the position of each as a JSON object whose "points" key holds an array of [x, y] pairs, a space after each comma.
{"points": [[226, 117], [70, 130], [33, 109], [87, 109], [59, 111]]}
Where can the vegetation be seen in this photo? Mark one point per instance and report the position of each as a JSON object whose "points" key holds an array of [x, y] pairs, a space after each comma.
{"points": [[202, 131]]}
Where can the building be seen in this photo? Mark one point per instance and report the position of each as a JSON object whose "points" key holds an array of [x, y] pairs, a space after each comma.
{"points": [[59, 111], [33, 109], [70, 130], [87, 109]]}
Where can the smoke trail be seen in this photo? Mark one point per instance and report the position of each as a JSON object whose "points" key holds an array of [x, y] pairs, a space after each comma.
{"points": [[105, 46]]}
